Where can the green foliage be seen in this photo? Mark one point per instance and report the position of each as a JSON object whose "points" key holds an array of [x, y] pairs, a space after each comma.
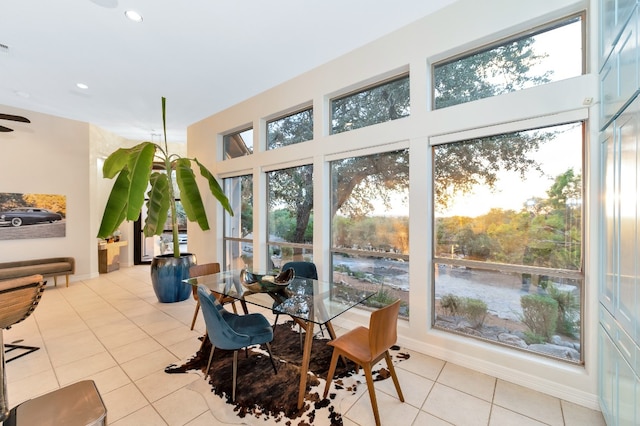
{"points": [[495, 71], [386, 102], [382, 298], [471, 309], [291, 129], [450, 302], [568, 310], [552, 234], [293, 188], [475, 311], [540, 315], [133, 170]]}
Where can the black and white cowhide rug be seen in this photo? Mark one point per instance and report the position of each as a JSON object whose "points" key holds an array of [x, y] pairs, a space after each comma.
{"points": [[272, 398]]}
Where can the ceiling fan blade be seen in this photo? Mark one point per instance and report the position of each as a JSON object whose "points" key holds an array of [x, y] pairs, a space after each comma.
{"points": [[5, 129], [14, 118]]}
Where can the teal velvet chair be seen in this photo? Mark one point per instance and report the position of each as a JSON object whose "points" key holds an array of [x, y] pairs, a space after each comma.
{"points": [[230, 331]]}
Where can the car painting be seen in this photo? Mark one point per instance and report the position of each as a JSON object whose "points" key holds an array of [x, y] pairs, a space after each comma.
{"points": [[28, 216]]}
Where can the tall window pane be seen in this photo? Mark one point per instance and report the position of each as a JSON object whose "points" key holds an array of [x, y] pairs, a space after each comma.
{"points": [[238, 229], [291, 129], [238, 144], [508, 239], [290, 217], [370, 226], [385, 102], [553, 53]]}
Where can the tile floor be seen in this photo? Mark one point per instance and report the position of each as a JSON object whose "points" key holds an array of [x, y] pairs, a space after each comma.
{"points": [[112, 330]]}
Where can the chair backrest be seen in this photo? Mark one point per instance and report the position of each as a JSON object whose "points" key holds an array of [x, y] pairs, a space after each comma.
{"points": [[220, 332], [303, 269], [383, 328], [204, 269], [18, 298]]}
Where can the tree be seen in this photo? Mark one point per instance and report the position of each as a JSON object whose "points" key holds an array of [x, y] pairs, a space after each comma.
{"points": [[385, 102], [458, 167], [292, 129], [359, 180], [293, 188], [492, 72]]}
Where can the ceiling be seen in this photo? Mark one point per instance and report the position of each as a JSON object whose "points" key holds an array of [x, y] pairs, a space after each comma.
{"points": [[202, 55]]}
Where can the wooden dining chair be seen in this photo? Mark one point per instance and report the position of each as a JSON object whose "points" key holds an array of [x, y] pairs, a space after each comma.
{"points": [[18, 298], [208, 269], [366, 346]]}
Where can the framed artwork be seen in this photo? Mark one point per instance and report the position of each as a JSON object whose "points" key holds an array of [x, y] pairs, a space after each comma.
{"points": [[32, 216]]}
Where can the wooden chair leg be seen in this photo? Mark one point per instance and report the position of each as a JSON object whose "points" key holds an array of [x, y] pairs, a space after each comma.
{"points": [[332, 370], [67, 276], [206, 373], [195, 314], [235, 375], [392, 370], [372, 392], [55, 281]]}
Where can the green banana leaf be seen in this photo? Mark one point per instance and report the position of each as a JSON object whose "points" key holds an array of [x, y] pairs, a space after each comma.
{"points": [[133, 169]]}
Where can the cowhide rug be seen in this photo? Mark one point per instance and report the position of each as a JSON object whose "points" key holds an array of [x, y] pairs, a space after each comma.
{"points": [[264, 395]]}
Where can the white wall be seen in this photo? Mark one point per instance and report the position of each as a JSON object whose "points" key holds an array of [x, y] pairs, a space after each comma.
{"points": [[54, 155], [50, 156], [464, 25]]}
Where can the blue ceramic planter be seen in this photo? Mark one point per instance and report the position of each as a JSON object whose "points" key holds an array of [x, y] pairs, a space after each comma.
{"points": [[167, 273]]}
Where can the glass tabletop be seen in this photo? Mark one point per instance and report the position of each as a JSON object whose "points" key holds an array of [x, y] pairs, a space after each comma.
{"points": [[304, 298]]}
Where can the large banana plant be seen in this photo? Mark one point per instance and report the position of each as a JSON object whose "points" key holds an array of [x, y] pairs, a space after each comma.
{"points": [[133, 169]]}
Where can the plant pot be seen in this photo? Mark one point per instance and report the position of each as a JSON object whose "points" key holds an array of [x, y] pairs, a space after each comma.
{"points": [[167, 273]]}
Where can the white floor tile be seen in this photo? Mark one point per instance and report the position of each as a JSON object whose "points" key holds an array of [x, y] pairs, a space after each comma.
{"points": [[111, 329], [457, 407], [123, 401], [472, 382], [181, 407], [531, 403]]}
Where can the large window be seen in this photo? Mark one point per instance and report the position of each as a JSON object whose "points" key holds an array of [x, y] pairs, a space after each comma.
{"points": [[370, 226], [551, 53], [384, 102], [293, 128], [238, 144], [238, 229], [290, 215], [508, 264]]}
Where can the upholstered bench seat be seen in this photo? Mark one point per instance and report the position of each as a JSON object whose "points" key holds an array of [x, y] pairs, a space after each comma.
{"points": [[54, 267]]}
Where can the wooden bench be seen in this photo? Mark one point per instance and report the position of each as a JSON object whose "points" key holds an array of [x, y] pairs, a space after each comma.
{"points": [[51, 267]]}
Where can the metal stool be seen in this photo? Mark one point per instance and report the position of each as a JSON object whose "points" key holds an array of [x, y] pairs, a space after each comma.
{"points": [[78, 404]]}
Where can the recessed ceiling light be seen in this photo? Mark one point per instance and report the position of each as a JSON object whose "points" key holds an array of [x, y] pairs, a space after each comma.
{"points": [[133, 15], [82, 86]]}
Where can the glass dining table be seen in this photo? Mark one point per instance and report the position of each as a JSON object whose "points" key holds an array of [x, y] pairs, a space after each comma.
{"points": [[308, 302]]}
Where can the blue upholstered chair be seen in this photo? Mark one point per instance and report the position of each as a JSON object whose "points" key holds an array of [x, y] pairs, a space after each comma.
{"points": [[232, 332], [302, 270]]}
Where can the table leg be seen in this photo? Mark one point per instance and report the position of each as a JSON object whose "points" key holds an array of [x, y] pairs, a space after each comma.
{"points": [[306, 357], [332, 332]]}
